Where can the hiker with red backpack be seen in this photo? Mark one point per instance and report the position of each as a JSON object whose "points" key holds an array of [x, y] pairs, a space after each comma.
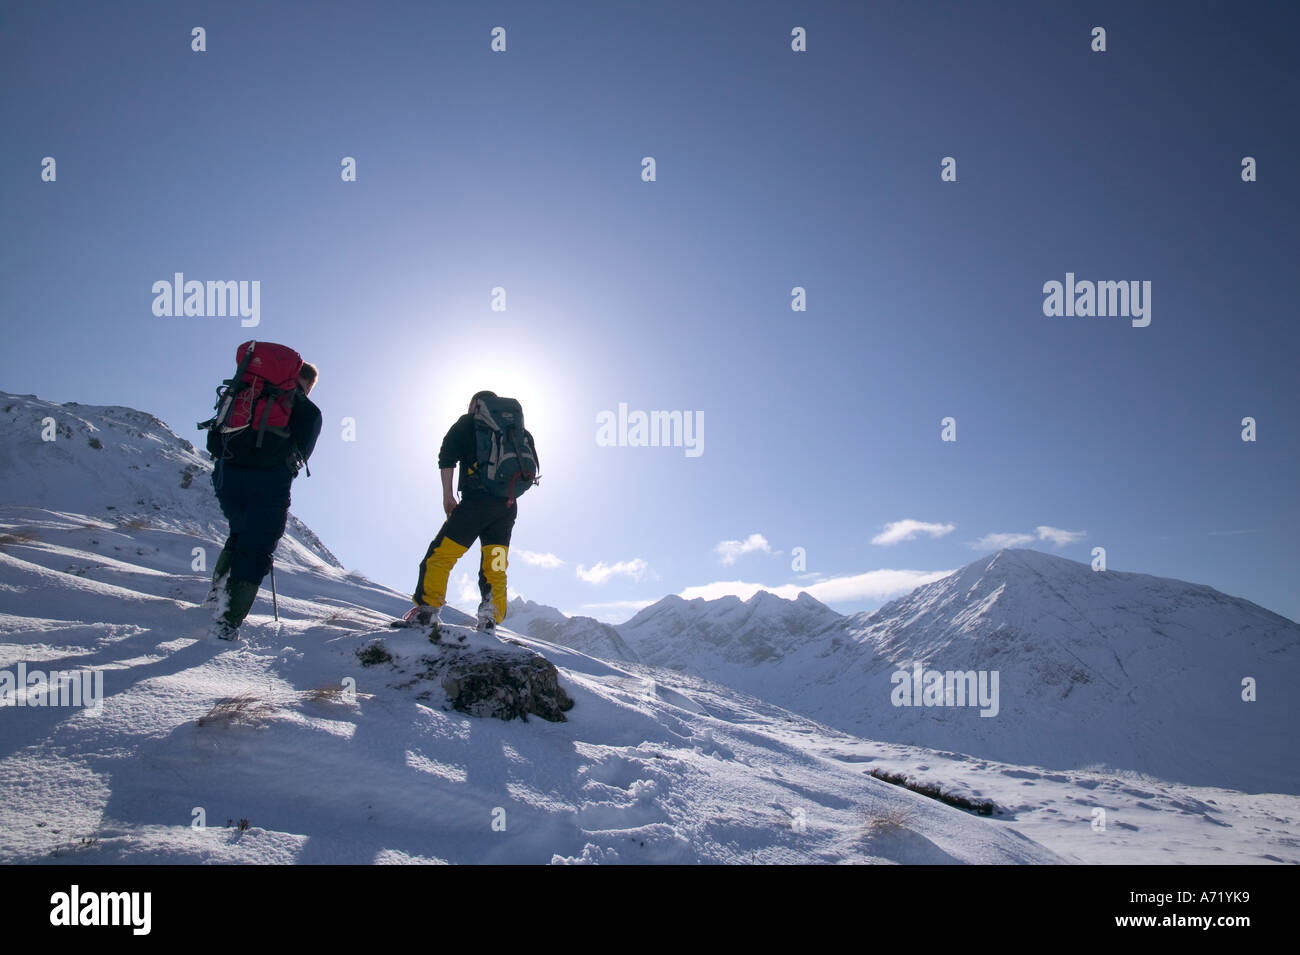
{"points": [[498, 463], [263, 433]]}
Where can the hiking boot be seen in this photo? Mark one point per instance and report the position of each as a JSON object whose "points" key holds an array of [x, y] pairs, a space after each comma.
{"points": [[418, 618], [421, 615], [220, 630]]}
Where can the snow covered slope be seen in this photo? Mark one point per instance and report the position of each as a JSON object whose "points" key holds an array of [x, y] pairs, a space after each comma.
{"points": [[584, 634], [1128, 670], [119, 466], [1114, 669], [288, 748], [724, 638]]}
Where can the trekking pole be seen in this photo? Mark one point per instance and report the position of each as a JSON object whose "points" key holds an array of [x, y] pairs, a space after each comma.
{"points": [[275, 601]]}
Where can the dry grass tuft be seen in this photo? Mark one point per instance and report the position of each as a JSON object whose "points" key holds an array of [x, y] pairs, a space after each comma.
{"points": [[243, 709], [329, 693], [896, 819]]}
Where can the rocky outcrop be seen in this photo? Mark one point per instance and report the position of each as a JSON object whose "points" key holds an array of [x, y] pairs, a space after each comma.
{"points": [[479, 676], [503, 685]]}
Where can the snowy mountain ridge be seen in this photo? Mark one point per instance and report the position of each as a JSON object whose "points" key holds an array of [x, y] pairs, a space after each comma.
{"points": [[584, 634], [120, 465], [323, 758], [1107, 668], [727, 634]]}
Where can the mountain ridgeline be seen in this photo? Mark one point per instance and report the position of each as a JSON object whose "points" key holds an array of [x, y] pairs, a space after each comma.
{"points": [[1020, 656], [333, 738], [120, 465], [1077, 668]]}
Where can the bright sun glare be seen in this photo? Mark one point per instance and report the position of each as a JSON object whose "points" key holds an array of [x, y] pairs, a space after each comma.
{"points": [[519, 370]]}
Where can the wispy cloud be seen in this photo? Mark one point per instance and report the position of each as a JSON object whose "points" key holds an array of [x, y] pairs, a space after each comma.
{"points": [[872, 585], [896, 532], [730, 551], [602, 572], [1056, 535], [535, 559], [466, 588]]}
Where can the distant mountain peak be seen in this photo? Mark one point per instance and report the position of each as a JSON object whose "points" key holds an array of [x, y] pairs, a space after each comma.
{"points": [[1095, 667], [762, 629], [585, 634]]}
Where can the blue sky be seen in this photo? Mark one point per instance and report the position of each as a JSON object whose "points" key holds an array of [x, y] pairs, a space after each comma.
{"points": [[775, 169]]}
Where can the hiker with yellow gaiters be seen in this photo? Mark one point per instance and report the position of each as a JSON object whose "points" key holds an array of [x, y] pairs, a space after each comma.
{"points": [[498, 463]]}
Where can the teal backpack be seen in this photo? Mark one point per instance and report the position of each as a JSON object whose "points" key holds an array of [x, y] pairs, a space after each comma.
{"points": [[506, 461]]}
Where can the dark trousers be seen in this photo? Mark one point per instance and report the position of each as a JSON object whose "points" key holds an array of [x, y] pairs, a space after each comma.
{"points": [[256, 503], [477, 517]]}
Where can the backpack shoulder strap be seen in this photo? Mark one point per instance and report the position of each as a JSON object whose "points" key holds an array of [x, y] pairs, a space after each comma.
{"points": [[228, 389]]}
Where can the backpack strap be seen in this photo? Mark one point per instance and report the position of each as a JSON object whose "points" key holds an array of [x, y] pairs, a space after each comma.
{"points": [[229, 389], [269, 394], [516, 436]]}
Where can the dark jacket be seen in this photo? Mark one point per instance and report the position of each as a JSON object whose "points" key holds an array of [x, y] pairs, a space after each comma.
{"points": [[277, 451], [460, 446]]}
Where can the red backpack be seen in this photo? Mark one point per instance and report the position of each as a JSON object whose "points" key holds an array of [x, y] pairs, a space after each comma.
{"points": [[259, 398]]}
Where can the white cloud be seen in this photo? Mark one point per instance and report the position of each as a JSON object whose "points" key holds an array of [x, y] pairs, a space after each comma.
{"points": [[896, 532], [599, 574], [729, 551], [1042, 532], [872, 585], [535, 559], [727, 588], [1058, 536], [466, 587], [615, 611], [999, 541]]}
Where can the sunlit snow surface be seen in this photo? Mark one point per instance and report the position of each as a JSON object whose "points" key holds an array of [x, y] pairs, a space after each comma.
{"points": [[330, 761]]}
